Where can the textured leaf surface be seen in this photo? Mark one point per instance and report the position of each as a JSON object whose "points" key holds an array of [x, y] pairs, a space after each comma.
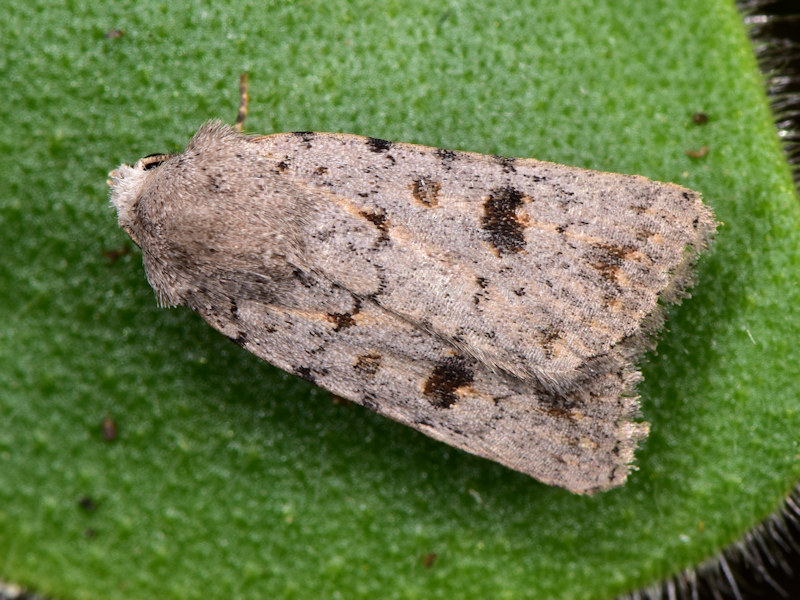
{"points": [[230, 478]]}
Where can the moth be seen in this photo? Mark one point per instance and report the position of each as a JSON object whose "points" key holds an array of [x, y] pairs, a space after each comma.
{"points": [[498, 305]]}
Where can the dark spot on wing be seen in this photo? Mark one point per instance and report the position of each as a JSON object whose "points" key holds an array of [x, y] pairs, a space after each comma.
{"points": [[558, 404], [378, 145], [506, 162], [306, 136], [380, 222], [559, 413], [377, 219], [426, 191], [620, 252], [380, 271], [608, 270], [551, 335], [240, 339], [368, 363], [321, 171], [446, 156], [282, 166], [342, 320], [303, 278], [608, 261], [500, 220], [345, 320], [480, 295], [305, 373], [369, 401], [445, 380]]}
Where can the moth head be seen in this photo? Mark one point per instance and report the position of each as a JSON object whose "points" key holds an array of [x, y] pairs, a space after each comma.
{"points": [[126, 186], [210, 218], [131, 195]]}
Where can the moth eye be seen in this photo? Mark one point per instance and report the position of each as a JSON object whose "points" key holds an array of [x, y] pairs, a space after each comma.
{"points": [[151, 161]]}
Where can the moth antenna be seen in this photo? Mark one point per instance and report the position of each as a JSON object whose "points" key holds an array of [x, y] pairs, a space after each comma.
{"points": [[242, 102]]}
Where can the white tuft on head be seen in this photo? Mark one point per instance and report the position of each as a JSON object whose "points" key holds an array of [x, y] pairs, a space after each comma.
{"points": [[126, 184]]}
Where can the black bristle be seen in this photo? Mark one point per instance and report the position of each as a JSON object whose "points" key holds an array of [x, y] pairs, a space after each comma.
{"points": [[774, 27], [763, 565]]}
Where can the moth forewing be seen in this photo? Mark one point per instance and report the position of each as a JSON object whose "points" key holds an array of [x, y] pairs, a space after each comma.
{"points": [[496, 304]]}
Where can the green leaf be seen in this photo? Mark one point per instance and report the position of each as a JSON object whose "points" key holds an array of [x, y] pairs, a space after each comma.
{"points": [[229, 478]]}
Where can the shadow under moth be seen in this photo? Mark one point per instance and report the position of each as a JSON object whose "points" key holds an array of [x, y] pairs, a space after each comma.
{"points": [[496, 304]]}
